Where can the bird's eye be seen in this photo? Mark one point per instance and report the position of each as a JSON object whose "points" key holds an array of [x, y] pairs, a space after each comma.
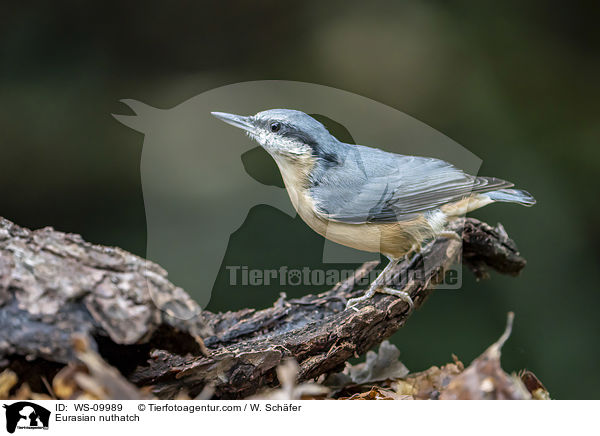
{"points": [[275, 127]]}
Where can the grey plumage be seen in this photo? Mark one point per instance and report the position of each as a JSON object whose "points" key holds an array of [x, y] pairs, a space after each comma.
{"points": [[372, 185]]}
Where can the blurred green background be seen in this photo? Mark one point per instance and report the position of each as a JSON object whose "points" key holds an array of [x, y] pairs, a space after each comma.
{"points": [[514, 82]]}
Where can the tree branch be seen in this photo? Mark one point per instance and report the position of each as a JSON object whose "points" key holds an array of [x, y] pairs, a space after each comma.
{"points": [[54, 285]]}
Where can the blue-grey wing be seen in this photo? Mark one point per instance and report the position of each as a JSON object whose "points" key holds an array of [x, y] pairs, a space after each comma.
{"points": [[371, 185]]}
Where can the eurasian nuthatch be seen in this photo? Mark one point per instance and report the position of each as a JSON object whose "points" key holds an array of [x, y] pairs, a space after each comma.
{"points": [[367, 198]]}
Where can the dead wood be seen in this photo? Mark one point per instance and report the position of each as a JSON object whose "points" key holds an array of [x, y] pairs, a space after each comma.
{"points": [[55, 285]]}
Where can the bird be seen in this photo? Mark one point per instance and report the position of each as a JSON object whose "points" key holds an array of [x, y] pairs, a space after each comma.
{"points": [[367, 198]]}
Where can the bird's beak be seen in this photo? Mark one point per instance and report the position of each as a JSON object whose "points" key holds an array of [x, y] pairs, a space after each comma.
{"points": [[236, 120]]}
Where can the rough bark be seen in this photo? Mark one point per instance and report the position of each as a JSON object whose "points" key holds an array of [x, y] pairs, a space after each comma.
{"points": [[54, 285]]}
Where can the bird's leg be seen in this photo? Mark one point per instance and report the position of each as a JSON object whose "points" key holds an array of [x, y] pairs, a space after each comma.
{"points": [[380, 280], [378, 286], [401, 294]]}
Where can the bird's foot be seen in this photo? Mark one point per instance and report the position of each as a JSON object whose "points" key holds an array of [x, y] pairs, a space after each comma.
{"points": [[401, 294], [351, 304]]}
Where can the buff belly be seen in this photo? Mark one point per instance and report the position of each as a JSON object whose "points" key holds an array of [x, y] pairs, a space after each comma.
{"points": [[391, 239]]}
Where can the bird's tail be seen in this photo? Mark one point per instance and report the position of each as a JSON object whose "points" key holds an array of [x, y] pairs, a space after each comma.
{"points": [[512, 196]]}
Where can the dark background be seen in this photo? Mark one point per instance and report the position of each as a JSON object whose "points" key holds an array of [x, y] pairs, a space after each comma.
{"points": [[516, 83]]}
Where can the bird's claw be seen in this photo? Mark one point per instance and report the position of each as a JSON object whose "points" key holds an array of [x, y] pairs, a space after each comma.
{"points": [[351, 304], [353, 307], [401, 294]]}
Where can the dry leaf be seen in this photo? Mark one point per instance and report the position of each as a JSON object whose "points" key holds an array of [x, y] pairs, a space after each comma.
{"points": [[427, 385], [287, 374], [535, 387], [484, 379], [8, 380], [383, 365], [377, 393]]}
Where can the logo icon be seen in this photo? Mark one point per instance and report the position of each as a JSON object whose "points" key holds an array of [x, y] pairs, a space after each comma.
{"points": [[215, 199], [26, 415]]}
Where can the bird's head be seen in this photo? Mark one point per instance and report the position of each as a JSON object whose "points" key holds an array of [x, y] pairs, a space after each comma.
{"points": [[284, 133]]}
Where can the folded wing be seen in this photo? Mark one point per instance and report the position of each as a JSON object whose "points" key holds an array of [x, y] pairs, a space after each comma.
{"points": [[373, 186]]}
